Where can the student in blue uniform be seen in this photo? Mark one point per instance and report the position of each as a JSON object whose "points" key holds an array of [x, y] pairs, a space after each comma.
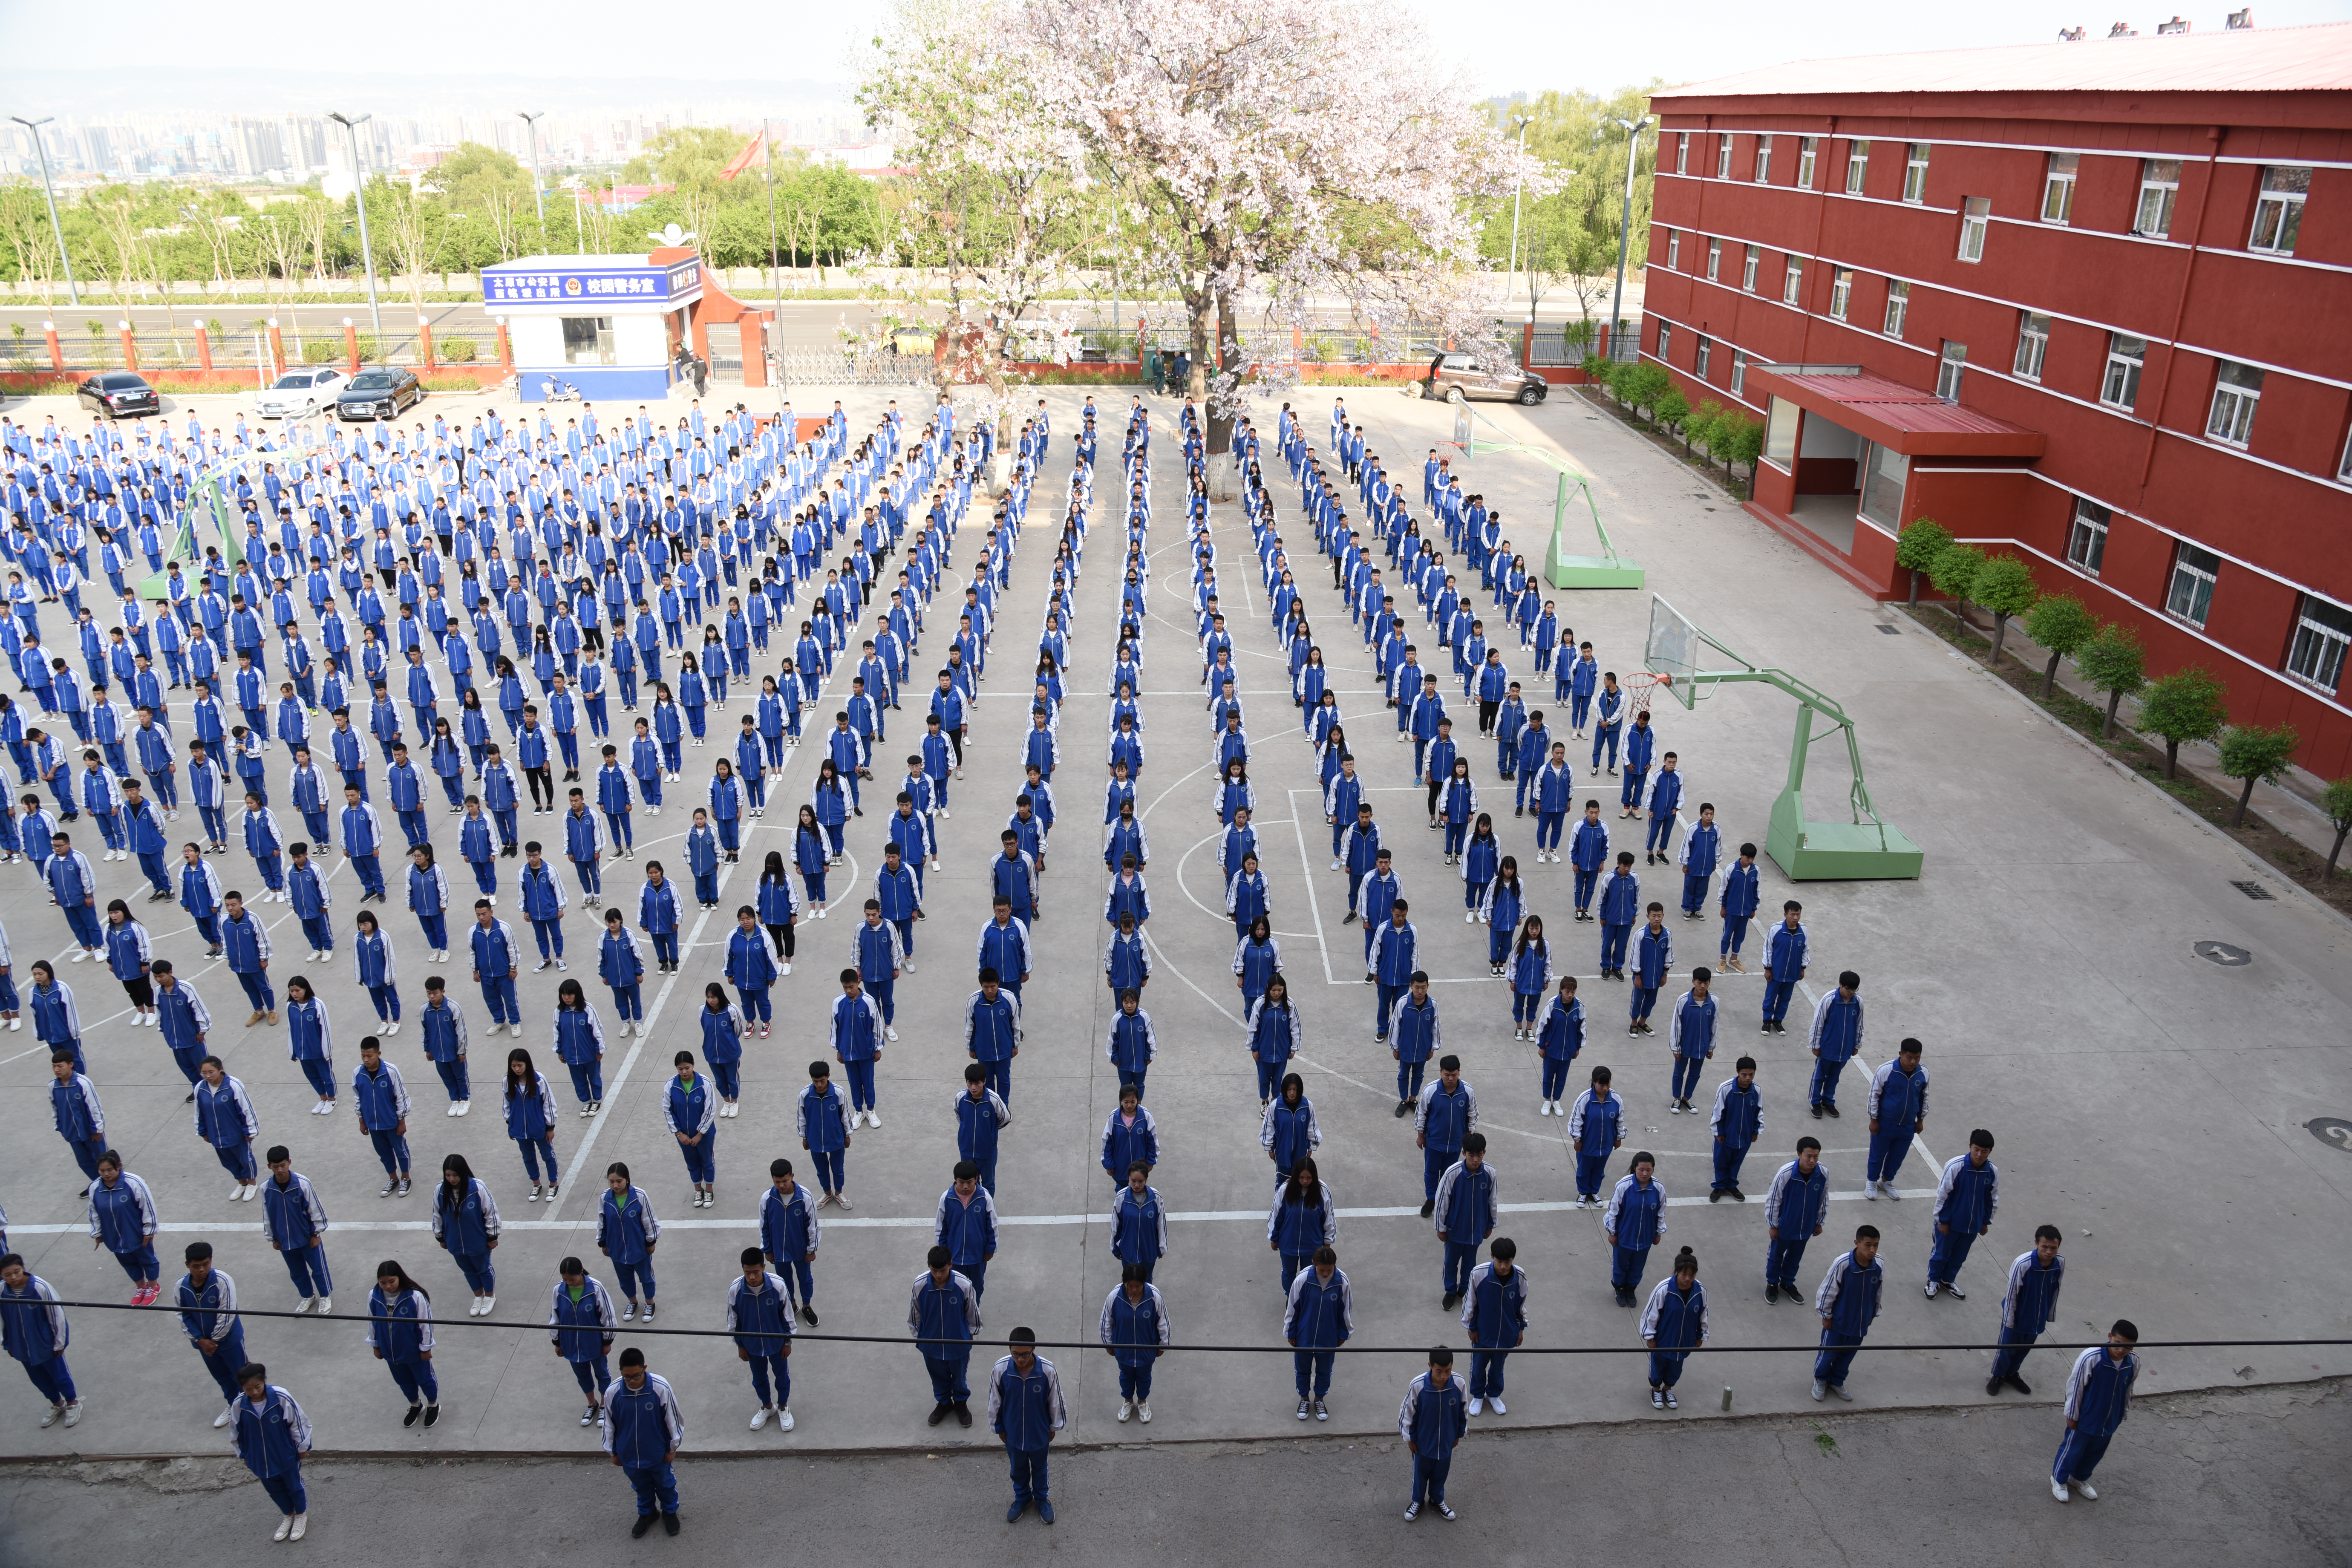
{"points": [[1737, 1121], [1277, 1033], [1320, 1317], [1468, 1206], [381, 1097], [2098, 1398], [466, 1223], [1139, 1221], [1847, 1301], [272, 1435], [1287, 1129], [626, 1233], [690, 1110], [1135, 1334], [826, 1123], [1737, 904], [1672, 1325], [1025, 1409], [642, 1426], [1558, 1038], [965, 1224], [2027, 1307], [1635, 1222], [1494, 1313], [1794, 1208], [33, 1331], [1966, 1200], [789, 1234], [1596, 1127], [206, 1297], [1835, 1038], [581, 1326], [1898, 1114], [943, 1311], [1434, 1417], [400, 1335], [1784, 966], [1444, 1117], [759, 1315]]}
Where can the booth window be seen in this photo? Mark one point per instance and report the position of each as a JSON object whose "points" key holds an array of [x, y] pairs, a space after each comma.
{"points": [[1884, 471], [588, 340], [1780, 435]]}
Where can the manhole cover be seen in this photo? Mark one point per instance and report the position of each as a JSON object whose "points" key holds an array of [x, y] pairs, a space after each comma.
{"points": [[2223, 953], [2332, 1131], [1890, 631], [2256, 891]]}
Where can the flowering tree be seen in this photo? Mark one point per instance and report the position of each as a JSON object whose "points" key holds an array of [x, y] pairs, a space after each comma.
{"points": [[1298, 147], [997, 195]]}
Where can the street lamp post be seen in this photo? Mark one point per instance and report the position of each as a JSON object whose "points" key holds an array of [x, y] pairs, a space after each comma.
{"points": [[73, 290], [359, 195], [532, 120], [1625, 225], [1522, 121]]}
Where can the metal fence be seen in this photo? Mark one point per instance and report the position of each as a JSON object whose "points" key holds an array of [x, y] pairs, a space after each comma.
{"points": [[840, 368]]}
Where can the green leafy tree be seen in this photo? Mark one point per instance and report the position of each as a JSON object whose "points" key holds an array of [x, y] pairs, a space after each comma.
{"points": [[2061, 624], [2336, 800], [1955, 570], [2113, 662], [2005, 587], [1744, 443], [1647, 383], [2187, 705], [2256, 756], [1673, 408], [1917, 547]]}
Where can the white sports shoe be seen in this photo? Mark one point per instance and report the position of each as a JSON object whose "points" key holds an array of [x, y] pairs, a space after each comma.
{"points": [[2058, 1490], [783, 1420], [1143, 1412], [223, 1419], [890, 1034], [1495, 1403], [2081, 1487], [1478, 1405], [285, 1525], [1126, 1409], [301, 1523], [760, 1417], [873, 1118]]}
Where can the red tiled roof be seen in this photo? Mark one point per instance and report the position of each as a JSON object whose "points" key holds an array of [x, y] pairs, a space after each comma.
{"points": [[2274, 59], [1904, 418]]}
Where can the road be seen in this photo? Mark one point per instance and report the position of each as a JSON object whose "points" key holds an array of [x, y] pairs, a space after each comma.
{"points": [[2251, 1476]]}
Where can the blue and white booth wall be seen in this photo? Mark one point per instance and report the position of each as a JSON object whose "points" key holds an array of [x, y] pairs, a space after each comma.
{"points": [[595, 323]]}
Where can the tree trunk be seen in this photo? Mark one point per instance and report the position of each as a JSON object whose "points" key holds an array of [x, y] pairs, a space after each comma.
{"points": [[2107, 730], [2238, 818], [2050, 671], [1914, 596], [1999, 630], [2171, 759], [2335, 850]]}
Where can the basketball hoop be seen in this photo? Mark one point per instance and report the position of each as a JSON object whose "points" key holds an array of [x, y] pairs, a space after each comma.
{"points": [[1643, 686]]}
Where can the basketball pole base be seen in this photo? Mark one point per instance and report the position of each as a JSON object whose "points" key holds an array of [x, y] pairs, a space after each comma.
{"points": [[1839, 851], [1593, 572]]}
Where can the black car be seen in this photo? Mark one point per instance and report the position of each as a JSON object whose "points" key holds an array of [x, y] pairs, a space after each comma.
{"points": [[380, 394], [116, 393]]}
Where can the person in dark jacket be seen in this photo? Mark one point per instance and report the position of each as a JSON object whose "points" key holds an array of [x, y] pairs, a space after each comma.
{"points": [[1434, 1417]]}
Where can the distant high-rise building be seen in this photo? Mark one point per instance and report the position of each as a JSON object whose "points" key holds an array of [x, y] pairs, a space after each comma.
{"points": [[255, 147], [94, 148]]}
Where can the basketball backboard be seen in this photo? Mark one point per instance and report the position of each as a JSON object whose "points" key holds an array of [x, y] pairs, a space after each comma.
{"points": [[1675, 650]]}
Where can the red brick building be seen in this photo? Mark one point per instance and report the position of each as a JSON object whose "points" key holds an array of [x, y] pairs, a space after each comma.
{"points": [[2089, 302]]}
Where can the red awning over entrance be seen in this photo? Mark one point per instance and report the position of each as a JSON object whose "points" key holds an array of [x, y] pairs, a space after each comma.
{"points": [[1912, 421]]}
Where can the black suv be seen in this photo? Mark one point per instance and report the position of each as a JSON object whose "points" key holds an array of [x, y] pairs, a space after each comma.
{"points": [[379, 394], [116, 393]]}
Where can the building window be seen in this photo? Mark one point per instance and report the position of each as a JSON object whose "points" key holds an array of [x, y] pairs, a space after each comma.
{"points": [[2279, 213], [1841, 292], [2344, 464], [1666, 342], [2236, 389], [1914, 173], [2058, 187], [1976, 216], [2032, 345], [1807, 150], [1898, 303], [1884, 472], [1723, 156], [2194, 571], [2322, 634], [1950, 369], [2126, 358], [2159, 187], [1682, 153], [1714, 258], [1747, 268], [1673, 249], [1700, 357], [1857, 165], [1763, 159], [1792, 282], [1739, 373], [588, 340], [2086, 536]]}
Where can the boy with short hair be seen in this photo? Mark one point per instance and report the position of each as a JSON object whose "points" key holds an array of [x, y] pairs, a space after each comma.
{"points": [[1738, 1119], [1898, 1113], [1737, 903], [272, 1435], [1964, 1201], [1848, 1301], [1434, 1417], [1794, 1207], [2098, 1397], [2027, 1307], [1835, 1037], [1025, 1408], [789, 1234], [760, 1316], [1784, 965], [1468, 1203]]}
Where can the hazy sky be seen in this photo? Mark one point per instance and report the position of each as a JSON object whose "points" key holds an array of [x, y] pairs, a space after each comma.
{"points": [[1503, 45]]}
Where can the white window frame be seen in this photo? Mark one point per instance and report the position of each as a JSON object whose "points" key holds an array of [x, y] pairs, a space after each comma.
{"points": [[2032, 345], [2123, 371], [1840, 293], [1808, 149], [1665, 342], [2278, 210], [1898, 306], [1673, 249], [2189, 587], [2164, 188], [1976, 219], [1857, 166], [1915, 173], [1682, 153], [2344, 464], [1792, 281], [2317, 654], [1749, 265], [1723, 156], [1739, 372], [1951, 366], [2058, 187], [1763, 161], [1714, 260], [1701, 354], [2237, 393], [2086, 535]]}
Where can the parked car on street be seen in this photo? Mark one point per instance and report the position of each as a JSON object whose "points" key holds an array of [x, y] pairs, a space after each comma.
{"points": [[300, 393], [116, 393], [1456, 376], [379, 394]]}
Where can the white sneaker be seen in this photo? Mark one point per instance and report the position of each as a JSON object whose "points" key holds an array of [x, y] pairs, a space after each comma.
{"points": [[783, 1420], [73, 1412], [1870, 1191], [781, 969], [1126, 1409], [760, 1417], [1821, 1389], [873, 1118], [392, 1028], [285, 1527], [223, 1419], [890, 1034], [453, 1109], [2058, 1490], [1931, 1289], [465, 1107], [1478, 1405], [1495, 1403], [237, 1192], [304, 1303], [301, 1523], [326, 1305], [908, 964], [2081, 1487]]}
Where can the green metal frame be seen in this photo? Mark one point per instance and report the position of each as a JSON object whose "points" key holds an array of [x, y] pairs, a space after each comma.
{"points": [[1563, 568]]}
